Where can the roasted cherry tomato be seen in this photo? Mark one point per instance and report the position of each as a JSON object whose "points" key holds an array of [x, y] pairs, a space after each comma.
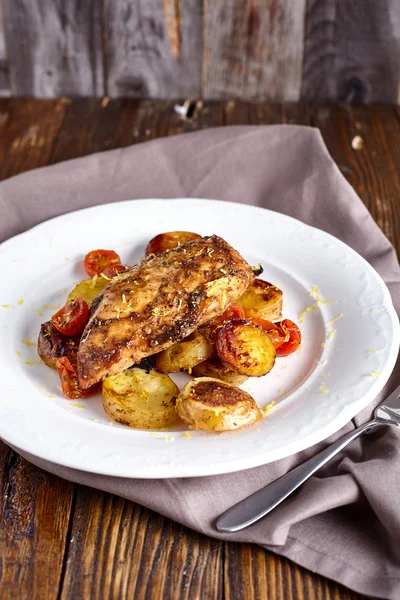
{"points": [[294, 341], [67, 371], [274, 330], [170, 240], [97, 260], [71, 319], [235, 311], [113, 270]]}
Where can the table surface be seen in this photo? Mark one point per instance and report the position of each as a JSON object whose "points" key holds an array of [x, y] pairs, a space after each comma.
{"points": [[60, 540]]}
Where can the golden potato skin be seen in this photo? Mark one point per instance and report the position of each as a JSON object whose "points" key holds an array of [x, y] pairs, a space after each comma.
{"points": [[141, 399], [213, 405], [215, 368], [170, 240], [53, 345], [88, 289], [262, 300], [245, 348], [184, 355]]}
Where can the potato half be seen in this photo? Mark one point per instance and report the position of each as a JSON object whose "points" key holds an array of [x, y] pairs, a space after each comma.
{"points": [[184, 355], [141, 399], [246, 348], [88, 289], [262, 300], [213, 405], [215, 368]]}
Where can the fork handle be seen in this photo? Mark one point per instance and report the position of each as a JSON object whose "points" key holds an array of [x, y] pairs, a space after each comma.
{"points": [[259, 504]]}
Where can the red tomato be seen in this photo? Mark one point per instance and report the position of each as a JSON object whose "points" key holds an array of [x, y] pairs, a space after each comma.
{"points": [[69, 379], [235, 311], [97, 260], [294, 341], [112, 270], [274, 330], [71, 319]]}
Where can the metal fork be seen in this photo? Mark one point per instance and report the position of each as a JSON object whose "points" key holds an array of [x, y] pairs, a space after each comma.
{"points": [[259, 504]]}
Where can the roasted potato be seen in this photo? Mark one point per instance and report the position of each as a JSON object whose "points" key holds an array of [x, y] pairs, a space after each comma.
{"points": [[211, 404], [215, 368], [245, 348], [184, 355], [141, 399], [53, 345], [88, 289], [170, 240], [210, 330], [262, 300]]}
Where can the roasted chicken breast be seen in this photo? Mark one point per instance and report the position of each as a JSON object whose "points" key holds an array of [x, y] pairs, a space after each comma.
{"points": [[159, 302]]}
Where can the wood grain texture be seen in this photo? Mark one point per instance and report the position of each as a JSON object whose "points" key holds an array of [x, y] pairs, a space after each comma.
{"points": [[28, 132], [253, 49], [54, 47], [253, 573], [4, 73], [373, 169], [120, 550], [34, 516], [153, 48], [352, 51]]}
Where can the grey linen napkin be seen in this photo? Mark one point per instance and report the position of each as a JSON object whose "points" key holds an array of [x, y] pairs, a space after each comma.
{"points": [[344, 523]]}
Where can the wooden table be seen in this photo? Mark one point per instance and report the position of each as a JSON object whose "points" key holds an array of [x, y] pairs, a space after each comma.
{"points": [[60, 540]]}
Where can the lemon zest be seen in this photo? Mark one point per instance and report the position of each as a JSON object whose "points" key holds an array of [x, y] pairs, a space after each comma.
{"points": [[335, 319]]}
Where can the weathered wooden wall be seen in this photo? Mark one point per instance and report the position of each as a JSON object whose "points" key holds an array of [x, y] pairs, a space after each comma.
{"points": [[277, 50]]}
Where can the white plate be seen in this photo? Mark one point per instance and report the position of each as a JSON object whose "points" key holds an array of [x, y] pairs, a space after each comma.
{"points": [[341, 366]]}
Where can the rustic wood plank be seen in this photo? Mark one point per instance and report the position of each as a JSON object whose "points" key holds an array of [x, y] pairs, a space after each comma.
{"points": [[253, 573], [4, 73], [352, 51], [28, 132], [54, 47], [120, 550], [120, 123], [253, 49], [34, 517], [372, 169], [153, 48]]}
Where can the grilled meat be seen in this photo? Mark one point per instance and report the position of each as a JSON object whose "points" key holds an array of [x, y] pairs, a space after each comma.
{"points": [[53, 345], [159, 302]]}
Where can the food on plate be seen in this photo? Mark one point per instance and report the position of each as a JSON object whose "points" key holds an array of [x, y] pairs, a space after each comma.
{"points": [[53, 345], [113, 270], [215, 368], [97, 260], [170, 240], [88, 289], [159, 302], [214, 405], [184, 355], [285, 335], [193, 305], [262, 300], [210, 330], [66, 369], [246, 348], [141, 399], [71, 319]]}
